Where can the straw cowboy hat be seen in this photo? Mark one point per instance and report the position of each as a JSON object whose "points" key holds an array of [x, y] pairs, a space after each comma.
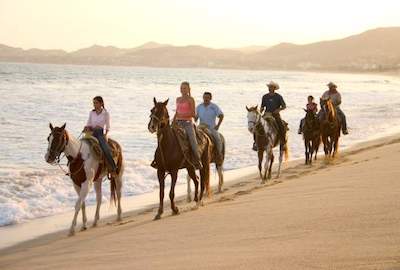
{"points": [[331, 84], [273, 84]]}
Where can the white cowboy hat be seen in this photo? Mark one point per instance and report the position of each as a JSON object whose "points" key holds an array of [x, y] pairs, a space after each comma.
{"points": [[273, 84], [331, 84]]}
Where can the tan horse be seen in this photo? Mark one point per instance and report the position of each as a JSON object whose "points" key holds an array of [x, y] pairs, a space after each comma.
{"points": [[85, 170], [330, 128]]}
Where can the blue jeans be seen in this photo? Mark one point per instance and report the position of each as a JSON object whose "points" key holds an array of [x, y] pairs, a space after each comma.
{"points": [[98, 133], [217, 139], [188, 127]]}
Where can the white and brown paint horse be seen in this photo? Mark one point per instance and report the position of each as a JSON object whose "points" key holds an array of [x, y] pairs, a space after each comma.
{"points": [[266, 139], [85, 170]]}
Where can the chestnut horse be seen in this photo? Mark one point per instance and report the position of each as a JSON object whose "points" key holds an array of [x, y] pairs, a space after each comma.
{"points": [[170, 159], [87, 170], [311, 135], [267, 139], [330, 125]]}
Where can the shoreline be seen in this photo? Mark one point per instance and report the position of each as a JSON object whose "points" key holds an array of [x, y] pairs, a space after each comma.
{"points": [[48, 229]]}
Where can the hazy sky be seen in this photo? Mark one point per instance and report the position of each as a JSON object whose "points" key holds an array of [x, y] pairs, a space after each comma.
{"points": [[73, 24]]}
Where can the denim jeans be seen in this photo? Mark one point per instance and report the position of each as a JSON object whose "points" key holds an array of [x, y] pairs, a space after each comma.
{"points": [[188, 127], [217, 139], [98, 133]]}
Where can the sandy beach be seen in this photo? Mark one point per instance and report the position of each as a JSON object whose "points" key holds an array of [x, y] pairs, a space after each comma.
{"points": [[343, 214]]}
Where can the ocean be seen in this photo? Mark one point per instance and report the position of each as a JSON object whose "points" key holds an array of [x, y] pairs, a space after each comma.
{"points": [[32, 95]]}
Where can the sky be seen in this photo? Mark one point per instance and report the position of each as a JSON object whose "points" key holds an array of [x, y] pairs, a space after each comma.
{"points": [[75, 24]]}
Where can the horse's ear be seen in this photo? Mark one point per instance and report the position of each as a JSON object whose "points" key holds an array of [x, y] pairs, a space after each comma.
{"points": [[166, 102], [246, 109], [63, 126], [154, 100], [51, 126]]}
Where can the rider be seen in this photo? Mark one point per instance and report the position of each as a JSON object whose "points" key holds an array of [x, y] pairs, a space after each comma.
{"points": [[99, 118], [273, 103], [336, 98], [207, 112], [311, 106], [185, 112]]}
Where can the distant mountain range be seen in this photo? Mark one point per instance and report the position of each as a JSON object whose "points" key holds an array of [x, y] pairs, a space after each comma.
{"points": [[373, 50]]}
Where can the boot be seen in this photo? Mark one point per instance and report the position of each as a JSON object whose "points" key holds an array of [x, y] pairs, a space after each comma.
{"points": [[255, 148]]}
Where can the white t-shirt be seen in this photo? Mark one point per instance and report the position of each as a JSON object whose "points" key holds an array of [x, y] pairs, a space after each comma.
{"points": [[102, 119]]}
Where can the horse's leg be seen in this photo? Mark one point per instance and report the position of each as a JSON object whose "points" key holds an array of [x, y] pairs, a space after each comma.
{"points": [[220, 177], [174, 176], [161, 181], [118, 189], [310, 151], [281, 151], [188, 189], [97, 188], [260, 159], [306, 150], [266, 165], [84, 218], [271, 161], [325, 142], [82, 196], [193, 176], [317, 143]]}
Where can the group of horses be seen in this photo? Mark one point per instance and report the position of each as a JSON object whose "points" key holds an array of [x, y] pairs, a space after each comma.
{"points": [[89, 170]]}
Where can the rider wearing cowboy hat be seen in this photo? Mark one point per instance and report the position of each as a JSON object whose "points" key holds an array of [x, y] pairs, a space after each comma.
{"points": [[336, 98], [273, 103]]}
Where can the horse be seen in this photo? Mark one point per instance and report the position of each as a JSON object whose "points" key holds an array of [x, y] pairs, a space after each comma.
{"points": [[170, 158], [330, 125], [85, 170], [311, 136], [267, 138], [218, 165]]}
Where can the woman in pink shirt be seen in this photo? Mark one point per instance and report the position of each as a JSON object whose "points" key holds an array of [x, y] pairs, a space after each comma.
{"points": [[312, 107], [99, 119], [185, 112]]}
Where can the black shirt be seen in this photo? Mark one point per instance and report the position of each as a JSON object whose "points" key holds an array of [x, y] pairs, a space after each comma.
{"points": [[271, 102]]}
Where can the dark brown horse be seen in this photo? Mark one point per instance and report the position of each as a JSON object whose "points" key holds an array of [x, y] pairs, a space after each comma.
{"points": [[311, 136], [170, 159], [330, 125]]}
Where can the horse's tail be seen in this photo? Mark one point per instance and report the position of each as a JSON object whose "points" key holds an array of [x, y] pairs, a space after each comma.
{"points": [[286, 151], [113, 185]]}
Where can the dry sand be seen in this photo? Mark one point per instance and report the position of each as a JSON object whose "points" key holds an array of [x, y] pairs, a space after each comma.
{"points": [[344, 214]]}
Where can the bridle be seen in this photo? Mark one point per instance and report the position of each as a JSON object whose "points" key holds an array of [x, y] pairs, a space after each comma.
{"points": [[61, 146]]}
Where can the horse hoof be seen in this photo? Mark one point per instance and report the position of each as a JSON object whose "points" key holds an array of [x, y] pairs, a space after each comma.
{"points": [[94, 225], [175, 212], [157, 217], [188, 199], [71, 233], [119, 218], [84, 228]]}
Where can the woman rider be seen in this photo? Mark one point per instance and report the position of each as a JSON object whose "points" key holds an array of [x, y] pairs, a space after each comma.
{"points": [[185, 112], [98, 119]]}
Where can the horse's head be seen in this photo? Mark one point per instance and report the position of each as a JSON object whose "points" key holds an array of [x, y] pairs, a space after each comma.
{"points": [[328, 107], [159, 117], [58, 139], [253, 116]]}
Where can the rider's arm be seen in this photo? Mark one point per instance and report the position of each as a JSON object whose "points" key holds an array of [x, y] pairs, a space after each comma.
{"points": [[196, 117], [263, 105], [107, 122], [338, 99], [193, 107], [220, 119]]}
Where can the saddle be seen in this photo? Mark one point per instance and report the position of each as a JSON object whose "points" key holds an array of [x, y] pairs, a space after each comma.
{"points": [[205, 129], [96, 150], [273, 123], [184, 143]]}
